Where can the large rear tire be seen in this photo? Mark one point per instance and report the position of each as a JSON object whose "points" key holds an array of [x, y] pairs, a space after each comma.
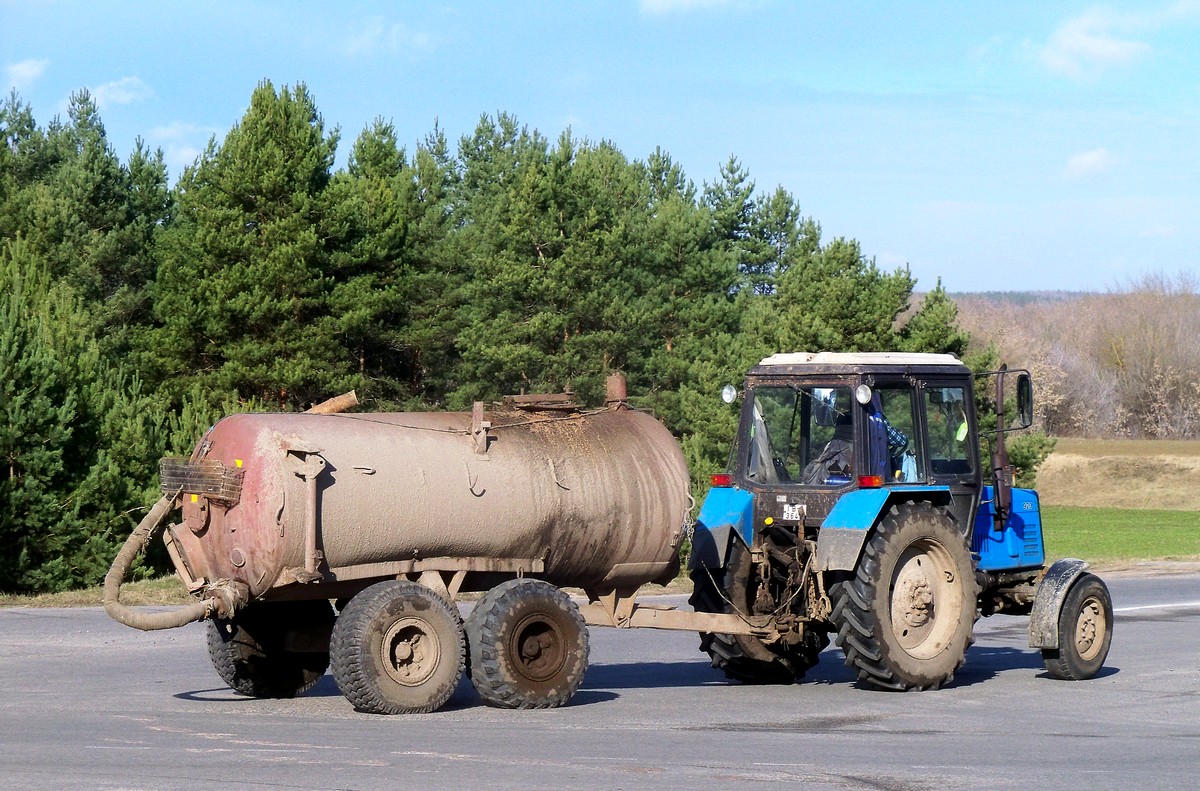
{"points": [[249, 651], [528, 645], [742, 657], [1084, 631], [907, 616], [397, 648]]}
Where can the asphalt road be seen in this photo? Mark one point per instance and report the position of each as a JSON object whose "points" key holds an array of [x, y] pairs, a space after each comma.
{"points": [[88, 704]]}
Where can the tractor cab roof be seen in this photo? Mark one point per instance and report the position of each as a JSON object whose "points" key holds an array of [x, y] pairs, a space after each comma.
{"points": [[843, 363]]}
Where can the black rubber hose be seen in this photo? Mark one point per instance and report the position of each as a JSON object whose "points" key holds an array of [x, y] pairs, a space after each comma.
{"points": [[136, 542]]}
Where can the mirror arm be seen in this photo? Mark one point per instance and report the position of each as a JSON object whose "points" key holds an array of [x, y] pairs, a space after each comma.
{"points": [[1001, 467]]}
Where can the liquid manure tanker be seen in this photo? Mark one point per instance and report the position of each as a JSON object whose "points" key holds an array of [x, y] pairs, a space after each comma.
{"points": [[342, 540]]}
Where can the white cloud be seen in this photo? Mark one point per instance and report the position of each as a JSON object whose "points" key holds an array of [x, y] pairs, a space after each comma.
{"points": [[1088, 45], [1088, 163], [21, 76], [663, 7], [377, 35], [126, 90]]}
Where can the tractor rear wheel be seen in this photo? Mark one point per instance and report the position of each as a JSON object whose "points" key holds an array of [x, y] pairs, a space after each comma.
{"points": [[251, 654], [743, 657], [1084, 631], [907, 616]]}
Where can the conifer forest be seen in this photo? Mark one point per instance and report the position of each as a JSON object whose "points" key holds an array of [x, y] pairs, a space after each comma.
{"points": [[135, 312]]}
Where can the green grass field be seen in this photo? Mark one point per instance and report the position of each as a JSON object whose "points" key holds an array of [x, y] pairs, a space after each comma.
{"points": [[1111, 535]]}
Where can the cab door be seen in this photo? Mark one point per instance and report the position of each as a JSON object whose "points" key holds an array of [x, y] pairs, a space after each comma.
{"points": [[951, 443]]}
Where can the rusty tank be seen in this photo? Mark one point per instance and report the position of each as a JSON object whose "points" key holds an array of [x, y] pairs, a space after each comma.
{"points": [[589, 499]]}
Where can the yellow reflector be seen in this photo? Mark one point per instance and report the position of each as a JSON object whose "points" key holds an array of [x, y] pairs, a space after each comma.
{"points": [[238, 462]]}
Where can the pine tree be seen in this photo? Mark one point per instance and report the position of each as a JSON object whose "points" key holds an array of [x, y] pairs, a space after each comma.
{"points": [[79, 439], [934, 327], [837, 300], [243, 286], [37, 412]]}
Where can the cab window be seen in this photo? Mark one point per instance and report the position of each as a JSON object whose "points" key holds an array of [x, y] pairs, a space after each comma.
{"points": [[800, 435], [950, 450]]}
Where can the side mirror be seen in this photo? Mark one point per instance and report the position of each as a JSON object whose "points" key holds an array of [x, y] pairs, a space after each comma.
{"points": [[729, 394], [1024, 400]]}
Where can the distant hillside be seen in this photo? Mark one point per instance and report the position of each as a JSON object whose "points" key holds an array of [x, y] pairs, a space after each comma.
{"points": [[1156, 474], [1114, 364], [1019, 298]]}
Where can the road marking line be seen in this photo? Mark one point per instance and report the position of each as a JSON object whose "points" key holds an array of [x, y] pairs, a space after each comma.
{"points": [[1158, 606]]}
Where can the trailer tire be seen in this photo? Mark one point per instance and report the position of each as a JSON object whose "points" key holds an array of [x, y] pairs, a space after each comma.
{"points": [[397, 648], [742, 657], [907, 615], [249, 654], [528, 645], [1084, 631]]}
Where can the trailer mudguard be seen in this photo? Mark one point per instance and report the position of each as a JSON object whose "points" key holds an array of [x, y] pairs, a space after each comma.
{"points": [[726, 510], [1048, 601], [848, 525]]}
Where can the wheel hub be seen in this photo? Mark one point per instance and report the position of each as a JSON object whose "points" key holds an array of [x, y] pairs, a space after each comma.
{"points": [[539, 649], [1089, 628], [925, 599], [410, 651], [915, 597]]}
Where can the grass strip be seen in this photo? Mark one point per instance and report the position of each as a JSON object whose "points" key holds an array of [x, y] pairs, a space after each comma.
{"points": [[162, 590], [1120, 534]]}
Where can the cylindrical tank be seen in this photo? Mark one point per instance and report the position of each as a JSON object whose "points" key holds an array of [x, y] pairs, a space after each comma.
{"points": [[593, 499]]}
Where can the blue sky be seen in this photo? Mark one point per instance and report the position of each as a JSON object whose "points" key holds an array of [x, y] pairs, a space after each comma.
{"points": [[999, 146]]}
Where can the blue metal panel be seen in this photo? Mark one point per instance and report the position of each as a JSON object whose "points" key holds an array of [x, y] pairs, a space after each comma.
{"points": [[858, 510], [1020, 544], [728, 506]]}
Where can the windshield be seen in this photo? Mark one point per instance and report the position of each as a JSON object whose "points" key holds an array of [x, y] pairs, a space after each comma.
{"points": [[801, 435]]}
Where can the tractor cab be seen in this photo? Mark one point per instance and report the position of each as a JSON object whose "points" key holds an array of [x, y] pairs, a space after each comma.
{"points": [[817, 427]]}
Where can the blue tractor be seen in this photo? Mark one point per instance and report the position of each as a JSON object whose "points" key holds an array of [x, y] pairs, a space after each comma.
{"points": [[855, 506]]}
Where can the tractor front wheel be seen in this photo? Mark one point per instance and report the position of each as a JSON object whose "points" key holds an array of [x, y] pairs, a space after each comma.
{"points": [[907, 616]]}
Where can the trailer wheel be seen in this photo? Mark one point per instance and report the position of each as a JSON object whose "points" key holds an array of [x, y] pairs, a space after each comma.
{"points": [[907, 616], [249, 652], [397, 648], [743, 657], [1084, 631], [528, 646]]}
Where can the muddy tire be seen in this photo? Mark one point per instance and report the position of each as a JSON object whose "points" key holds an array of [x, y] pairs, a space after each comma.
{"points": [[742, 657], [397, 648], [907, 616], [248, 651], [1084, 631], [528, 645]]}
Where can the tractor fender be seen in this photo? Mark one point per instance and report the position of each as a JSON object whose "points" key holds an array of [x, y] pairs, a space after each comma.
{"points": [[726, 512], [1048, 601], [850, 521]]}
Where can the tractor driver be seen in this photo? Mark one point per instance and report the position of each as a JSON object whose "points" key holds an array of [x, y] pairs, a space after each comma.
{"points": [[836, 461]]}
